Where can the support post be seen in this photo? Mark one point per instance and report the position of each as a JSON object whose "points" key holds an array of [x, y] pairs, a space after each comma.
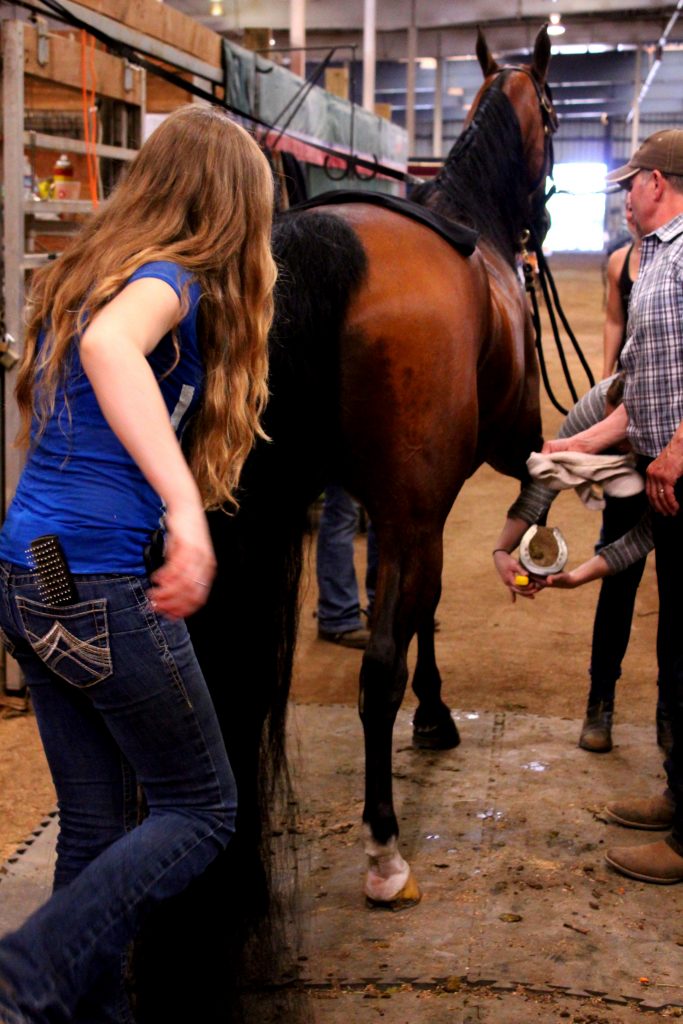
{"points": [[297, 35], [13, 244], [369, 53], [410, 80], [437, 128], [635, 123]]}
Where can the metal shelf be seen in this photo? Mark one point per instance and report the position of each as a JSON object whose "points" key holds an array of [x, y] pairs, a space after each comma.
{"points": [[32, 260], [22, 47], [48, 208], [63, 144]]}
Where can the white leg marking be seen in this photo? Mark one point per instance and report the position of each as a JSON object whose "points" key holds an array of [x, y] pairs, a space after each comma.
{"points": [[388, 872]]}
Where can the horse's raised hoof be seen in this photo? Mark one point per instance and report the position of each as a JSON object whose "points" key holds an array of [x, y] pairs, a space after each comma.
{"points": [[440, 735], [408, 896]]}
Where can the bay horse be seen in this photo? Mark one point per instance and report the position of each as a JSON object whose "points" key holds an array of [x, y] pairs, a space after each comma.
{"points": [[398, 366]]}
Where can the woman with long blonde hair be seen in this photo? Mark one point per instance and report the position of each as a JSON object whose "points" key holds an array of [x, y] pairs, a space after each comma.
{"points": [[153, 324]]}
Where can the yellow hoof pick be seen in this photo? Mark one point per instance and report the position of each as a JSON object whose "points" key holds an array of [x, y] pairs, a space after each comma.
{"points": [[521, 581]]}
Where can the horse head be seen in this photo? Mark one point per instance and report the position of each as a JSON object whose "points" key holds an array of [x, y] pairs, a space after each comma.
{"points": [[526, 87], [494, 175]]}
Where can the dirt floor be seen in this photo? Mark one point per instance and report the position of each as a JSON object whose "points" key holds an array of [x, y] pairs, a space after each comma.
{"points": [[494, 655]]}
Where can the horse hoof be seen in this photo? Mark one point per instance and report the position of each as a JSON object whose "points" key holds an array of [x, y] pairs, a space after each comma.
{"points": [[442, 735], [408, 896]]}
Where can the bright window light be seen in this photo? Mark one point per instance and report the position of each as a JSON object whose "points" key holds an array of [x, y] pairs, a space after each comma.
{"points": [[578, 218]]}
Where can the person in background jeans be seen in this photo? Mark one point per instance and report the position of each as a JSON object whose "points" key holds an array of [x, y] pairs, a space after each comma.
{"points": [[154, 321], [339, 609]]}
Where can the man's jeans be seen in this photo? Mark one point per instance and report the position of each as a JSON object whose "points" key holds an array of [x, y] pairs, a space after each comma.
{"points": [[338, 600], [667, 532], [119, 699]]}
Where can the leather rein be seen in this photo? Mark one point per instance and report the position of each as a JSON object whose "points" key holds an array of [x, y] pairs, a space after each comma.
{"points": [[534, 262]]}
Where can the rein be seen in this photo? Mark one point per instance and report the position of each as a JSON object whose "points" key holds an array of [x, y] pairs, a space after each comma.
{"points": [[554, 307], [545, 277]]}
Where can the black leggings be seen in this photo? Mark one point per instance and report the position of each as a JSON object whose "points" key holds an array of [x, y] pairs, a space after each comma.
{"points": [[614, 611]]}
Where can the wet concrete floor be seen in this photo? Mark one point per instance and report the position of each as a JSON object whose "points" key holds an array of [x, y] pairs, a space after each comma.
{"points": [[521, 919]]}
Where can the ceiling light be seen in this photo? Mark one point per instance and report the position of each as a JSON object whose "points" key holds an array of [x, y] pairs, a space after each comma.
{"points": [[216, 8], [271, 42], [427, 63], [555, 28], [455, 90]]}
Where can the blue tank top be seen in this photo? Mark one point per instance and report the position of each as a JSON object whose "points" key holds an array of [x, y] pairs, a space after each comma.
{"points": [[80, 482]]}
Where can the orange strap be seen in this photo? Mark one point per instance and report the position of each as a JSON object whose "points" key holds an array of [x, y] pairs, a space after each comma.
{"points": [[89, 113]]}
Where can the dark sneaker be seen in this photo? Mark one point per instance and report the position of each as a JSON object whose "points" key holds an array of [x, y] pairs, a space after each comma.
{"points": [[357, 638], [655, 862], [651, 814]]}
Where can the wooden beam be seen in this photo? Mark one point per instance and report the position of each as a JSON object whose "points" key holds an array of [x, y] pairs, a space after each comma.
{"points": [[64, 67], [163, 23], [164, 96]]}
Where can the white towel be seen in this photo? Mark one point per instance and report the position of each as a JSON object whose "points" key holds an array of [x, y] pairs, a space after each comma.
{"points": [[615, 473]]}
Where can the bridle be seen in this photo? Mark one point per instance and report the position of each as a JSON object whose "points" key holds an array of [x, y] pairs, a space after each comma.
{"points": [[547, 284], [548, 116]]}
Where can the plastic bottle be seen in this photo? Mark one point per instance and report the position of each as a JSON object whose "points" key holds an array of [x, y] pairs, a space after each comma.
{"points": [[63, 169], [28, 178]]}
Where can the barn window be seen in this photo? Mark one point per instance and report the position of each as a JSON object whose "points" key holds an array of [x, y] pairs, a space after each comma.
{"points": [[578, 210]]}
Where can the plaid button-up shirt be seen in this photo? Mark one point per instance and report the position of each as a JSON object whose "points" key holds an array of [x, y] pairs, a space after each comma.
{"points": [[653, 354]]}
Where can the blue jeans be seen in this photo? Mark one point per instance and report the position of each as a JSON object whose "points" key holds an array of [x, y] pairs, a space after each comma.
{"points": [[338, 600], [119, 699]]}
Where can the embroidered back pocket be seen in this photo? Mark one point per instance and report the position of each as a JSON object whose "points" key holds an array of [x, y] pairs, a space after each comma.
{"points": [[72, 640]]}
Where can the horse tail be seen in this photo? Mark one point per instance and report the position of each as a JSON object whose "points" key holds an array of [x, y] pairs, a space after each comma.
{"points": [[321, 264], [226, 949]]}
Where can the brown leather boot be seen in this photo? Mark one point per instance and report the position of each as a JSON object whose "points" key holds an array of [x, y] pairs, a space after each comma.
{"points": [[356, 638], [596, 732], [652, 814], [655, 862]]}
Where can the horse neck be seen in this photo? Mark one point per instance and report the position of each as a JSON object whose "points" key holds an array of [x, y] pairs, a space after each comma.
{"points": [[483, 182]]}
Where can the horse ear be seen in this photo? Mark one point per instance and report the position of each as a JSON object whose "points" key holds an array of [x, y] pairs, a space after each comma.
{"points": [[486, 62], [541, 59]]}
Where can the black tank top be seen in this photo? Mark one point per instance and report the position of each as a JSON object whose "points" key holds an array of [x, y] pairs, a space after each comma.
{"points": [[625, 285]]}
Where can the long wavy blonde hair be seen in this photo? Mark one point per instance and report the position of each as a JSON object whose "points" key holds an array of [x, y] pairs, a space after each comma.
{"points": [[200, 194]]}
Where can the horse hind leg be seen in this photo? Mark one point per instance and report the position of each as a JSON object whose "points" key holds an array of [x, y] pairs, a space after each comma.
{"points": [[407, 592], [433, 725]]}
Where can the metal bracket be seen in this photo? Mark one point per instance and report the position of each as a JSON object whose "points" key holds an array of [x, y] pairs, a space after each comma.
{"points": [[43, 41], [128, 76]]}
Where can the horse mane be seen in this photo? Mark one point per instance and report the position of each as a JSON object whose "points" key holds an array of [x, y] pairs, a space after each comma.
{"points": [[482, 183]]}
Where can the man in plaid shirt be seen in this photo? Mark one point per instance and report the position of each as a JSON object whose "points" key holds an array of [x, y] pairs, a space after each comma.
{"points": [[651, 417]]}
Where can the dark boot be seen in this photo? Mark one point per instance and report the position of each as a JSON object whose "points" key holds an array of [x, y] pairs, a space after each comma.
{"points": [[665, 737], [596, 733]]}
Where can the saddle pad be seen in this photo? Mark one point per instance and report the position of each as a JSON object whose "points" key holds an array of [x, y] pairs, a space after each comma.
{"points": [[460, 237]]}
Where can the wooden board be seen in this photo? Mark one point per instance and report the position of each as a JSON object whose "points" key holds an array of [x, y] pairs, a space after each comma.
{"points": [[163, 96], [64, 66], [163, 23]]}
